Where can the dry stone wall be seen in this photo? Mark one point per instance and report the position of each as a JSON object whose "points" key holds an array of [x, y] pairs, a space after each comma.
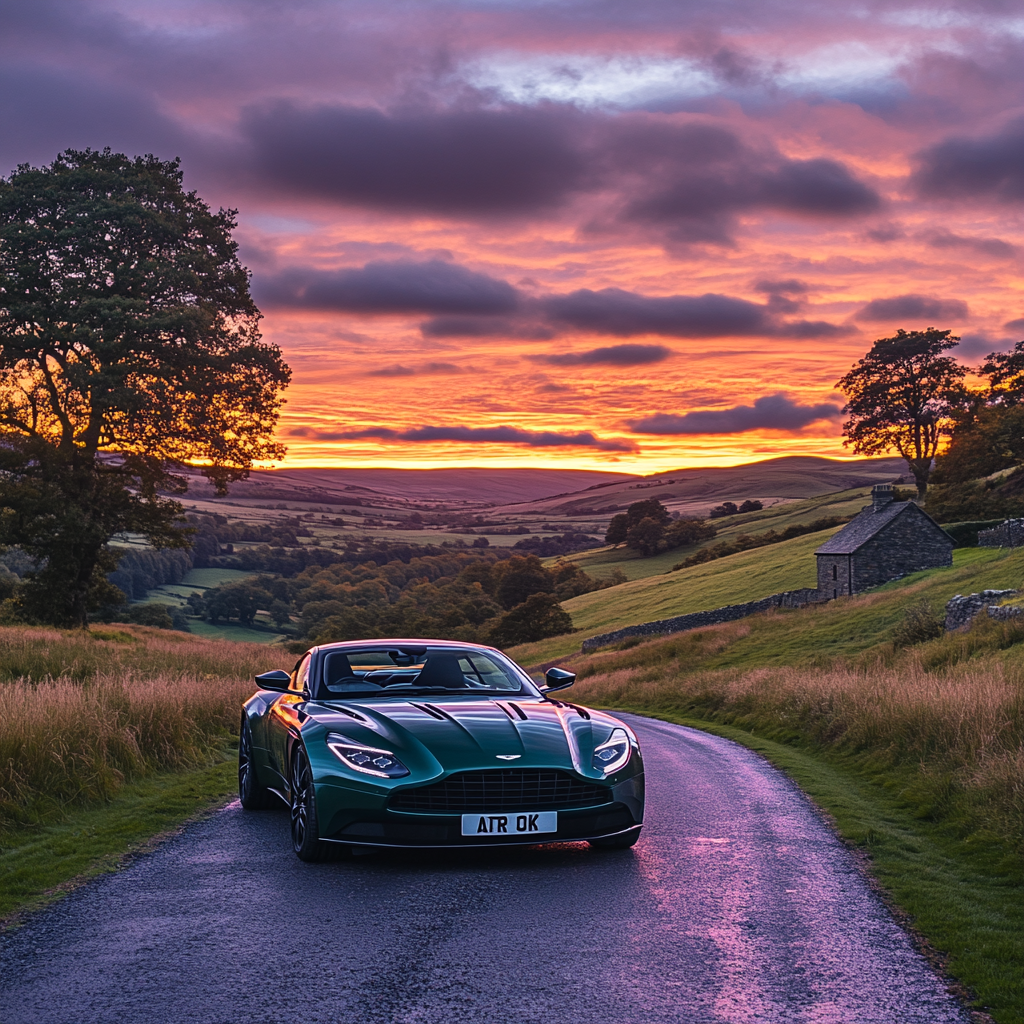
{"points": [[1007, 535], [961, 609], [729, 613]]}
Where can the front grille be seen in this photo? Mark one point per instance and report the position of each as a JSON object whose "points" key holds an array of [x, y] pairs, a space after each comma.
{"points": [[501, 789]]}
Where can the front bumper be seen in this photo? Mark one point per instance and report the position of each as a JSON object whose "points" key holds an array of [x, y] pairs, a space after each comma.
{"points": [[623, 812]]}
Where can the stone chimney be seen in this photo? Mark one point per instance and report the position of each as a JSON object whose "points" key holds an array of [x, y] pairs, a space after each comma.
{"points": [[881, 495]]}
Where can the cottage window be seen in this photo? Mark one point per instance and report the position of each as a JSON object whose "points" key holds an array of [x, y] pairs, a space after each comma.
{"points": [[835, 572]]}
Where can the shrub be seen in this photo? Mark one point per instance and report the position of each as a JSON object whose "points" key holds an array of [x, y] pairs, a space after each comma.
{"points": [[918, 625]]}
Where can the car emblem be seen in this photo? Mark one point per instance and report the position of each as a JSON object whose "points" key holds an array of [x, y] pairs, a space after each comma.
{"points": [[507, 757]]}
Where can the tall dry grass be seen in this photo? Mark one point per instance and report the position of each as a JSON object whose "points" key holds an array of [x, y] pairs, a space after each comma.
{"points": [[952, 737], [80, 714]]}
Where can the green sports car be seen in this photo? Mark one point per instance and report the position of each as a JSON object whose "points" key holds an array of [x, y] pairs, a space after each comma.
{"points": [[429, 743]]}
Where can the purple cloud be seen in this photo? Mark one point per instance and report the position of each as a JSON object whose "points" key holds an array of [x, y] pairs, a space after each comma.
{"points": [[996, 247], [978, 168], [461, 162], [622, 313], [397, 286], [613, 355], [771, 412], [456, 162], [913, 307], [474, 435], [426, 369]]}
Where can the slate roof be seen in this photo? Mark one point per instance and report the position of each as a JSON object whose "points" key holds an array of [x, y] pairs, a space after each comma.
{"points": [[867, 524]]}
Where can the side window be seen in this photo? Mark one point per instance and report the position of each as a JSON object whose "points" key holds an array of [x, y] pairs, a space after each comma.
{"points": [[300, 676]]}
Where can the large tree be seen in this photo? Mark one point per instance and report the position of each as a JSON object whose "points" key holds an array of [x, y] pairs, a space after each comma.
{"points": [[129, 349], [903, 396]]}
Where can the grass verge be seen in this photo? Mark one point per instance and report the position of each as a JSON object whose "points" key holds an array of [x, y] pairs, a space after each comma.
{"points": [[41, 863], [962, 895]]}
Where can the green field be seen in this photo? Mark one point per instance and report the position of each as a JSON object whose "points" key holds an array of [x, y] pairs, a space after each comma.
{"points": [[746, 576], [194, 580], [602, 561], [198, 580], [238, 634]]}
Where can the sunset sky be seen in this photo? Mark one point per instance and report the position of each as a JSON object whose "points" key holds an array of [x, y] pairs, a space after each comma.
{"points": [[627, 235]]}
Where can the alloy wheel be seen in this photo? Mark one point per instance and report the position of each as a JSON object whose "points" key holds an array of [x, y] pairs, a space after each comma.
{"points": [[302, 782]]}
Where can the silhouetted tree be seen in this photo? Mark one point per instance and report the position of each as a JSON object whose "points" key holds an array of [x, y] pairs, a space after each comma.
{"points": [[129, 346], [904, 396]]}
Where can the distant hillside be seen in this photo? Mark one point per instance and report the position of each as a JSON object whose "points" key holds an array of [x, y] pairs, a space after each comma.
{"points": [[694, 491], [477, 487], [558, 492]]}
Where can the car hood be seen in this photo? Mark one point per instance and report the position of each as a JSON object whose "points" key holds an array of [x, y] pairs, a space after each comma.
{"points": [[463, 734]]}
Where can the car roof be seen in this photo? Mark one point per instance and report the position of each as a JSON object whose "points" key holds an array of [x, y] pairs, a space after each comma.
{"points": [[400, 642]]}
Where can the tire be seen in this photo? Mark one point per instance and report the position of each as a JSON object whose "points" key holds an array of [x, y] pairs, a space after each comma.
{"points": [[251, 794], [623, 842], [306, 840]]}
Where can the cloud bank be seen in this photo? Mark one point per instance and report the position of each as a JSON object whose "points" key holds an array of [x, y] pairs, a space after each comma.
{"points": [[771, 412], [473, 435]]}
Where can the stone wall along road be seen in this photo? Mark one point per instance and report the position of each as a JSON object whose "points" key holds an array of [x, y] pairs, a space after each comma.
{"points": [[737, 905]]}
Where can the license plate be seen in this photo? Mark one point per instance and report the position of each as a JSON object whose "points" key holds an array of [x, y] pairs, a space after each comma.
{"points": [[525, 823]]}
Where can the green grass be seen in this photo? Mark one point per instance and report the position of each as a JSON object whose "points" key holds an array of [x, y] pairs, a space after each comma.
{"points": [[963, 896], [848, 625], [852, 626], [235, 633], [602, 561], [747, 576], [195, 581], [41, 863]]}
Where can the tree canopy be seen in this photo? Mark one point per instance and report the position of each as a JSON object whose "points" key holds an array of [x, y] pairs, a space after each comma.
{"points": [[904, 395], [989, 435], [129, 348]]}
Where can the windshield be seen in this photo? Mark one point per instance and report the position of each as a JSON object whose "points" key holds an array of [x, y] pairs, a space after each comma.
{"points": [[393, 671]]}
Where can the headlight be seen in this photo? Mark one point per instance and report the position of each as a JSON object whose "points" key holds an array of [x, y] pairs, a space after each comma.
{"points": [[611, 755], [368, 760]]}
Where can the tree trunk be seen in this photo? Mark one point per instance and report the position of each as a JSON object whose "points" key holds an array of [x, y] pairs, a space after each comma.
{"points": [[922, 470]]}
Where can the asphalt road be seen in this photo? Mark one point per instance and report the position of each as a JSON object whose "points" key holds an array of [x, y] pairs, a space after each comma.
{"points": [[737, 905]]}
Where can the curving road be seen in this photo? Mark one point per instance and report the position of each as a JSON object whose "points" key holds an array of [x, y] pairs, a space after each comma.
{"points": [[737, 905]]}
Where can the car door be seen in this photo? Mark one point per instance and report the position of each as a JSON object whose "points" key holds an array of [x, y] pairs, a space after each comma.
{"points": [[284, 717]]}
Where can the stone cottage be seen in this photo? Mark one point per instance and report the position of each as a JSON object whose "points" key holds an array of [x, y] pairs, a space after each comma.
{"points": [[888, 539]]}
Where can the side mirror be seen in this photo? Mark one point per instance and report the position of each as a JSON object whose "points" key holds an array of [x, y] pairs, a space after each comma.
{"points": [[276, 680], [558, 679]]}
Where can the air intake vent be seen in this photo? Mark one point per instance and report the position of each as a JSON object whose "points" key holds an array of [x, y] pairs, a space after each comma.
{"points": [[508, 789]]}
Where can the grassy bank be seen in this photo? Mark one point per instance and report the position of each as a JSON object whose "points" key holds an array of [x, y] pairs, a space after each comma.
{"points": [[108, 738], [81, 715], [41, 862]]}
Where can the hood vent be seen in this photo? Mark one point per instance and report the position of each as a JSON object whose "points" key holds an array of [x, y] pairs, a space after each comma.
{"points": [[428, 709], [518, 710], [582, 712], [351, 714]]}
